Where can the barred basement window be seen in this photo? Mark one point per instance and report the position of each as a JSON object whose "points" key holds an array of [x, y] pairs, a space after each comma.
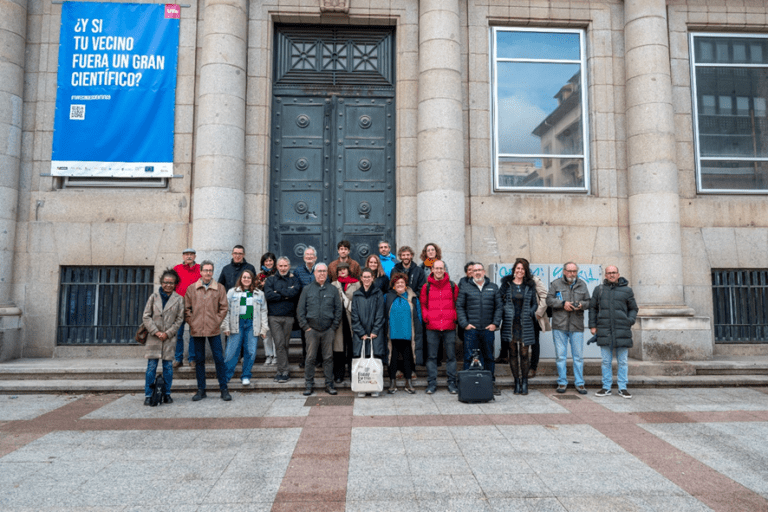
{"points": [[102, 305], [740, 303]]}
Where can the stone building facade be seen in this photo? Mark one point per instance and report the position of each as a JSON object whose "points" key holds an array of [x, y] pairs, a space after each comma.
{"points": [[641, 206]]}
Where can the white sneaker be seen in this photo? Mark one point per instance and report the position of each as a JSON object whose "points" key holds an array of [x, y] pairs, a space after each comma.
{"points": [[246, 382], [375, 394], [273, 360], [267, 360], [361, 395]]}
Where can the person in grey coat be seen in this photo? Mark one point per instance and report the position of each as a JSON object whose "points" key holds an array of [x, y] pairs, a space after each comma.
{"points": [[568, 297], [612, 313], [319, 314], [368, 319]]}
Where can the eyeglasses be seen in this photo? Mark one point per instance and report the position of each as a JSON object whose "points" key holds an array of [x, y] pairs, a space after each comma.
{"points": [[168, 283], [611, 273], [319, 271]]}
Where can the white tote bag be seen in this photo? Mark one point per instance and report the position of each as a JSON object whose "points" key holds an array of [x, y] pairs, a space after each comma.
{"points": [[367, 373]]}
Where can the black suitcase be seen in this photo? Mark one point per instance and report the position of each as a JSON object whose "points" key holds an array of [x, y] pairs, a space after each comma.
{"points": [[475, 386]]}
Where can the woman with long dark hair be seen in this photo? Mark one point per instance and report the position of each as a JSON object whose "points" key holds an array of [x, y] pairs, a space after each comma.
{"points": [[267, 268], [518, 296], [380, 279], [368, 319], [245, 322]]}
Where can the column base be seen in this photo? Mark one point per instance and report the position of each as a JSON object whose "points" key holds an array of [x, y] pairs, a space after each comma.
{"points": [[671, 337], [10, 333]]}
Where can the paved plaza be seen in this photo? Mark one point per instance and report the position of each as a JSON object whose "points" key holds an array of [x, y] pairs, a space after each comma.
{"points": [[664, 450]]}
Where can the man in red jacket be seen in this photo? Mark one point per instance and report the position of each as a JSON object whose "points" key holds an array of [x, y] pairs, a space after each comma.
{"points": [[438, 309], [189, 272]]}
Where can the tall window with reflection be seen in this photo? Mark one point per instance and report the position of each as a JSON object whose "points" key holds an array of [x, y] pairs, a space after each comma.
{"points": [[539, 110], [730, 91]]}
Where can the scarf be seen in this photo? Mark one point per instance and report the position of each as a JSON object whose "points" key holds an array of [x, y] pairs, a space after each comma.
{"points": [[429, 262], [164, 297], [346, 281]]}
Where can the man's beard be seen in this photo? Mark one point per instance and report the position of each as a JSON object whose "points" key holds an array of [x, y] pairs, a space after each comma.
{"points": [[569, 280]]}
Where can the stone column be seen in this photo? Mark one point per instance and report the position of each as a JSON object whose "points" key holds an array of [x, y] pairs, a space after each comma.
{"points": [[654, 204], [13, 35], [218, 200], [440, 199]]}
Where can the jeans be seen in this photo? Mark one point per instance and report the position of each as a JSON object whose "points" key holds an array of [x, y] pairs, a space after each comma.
{"points": [[180, 345], [218, 359], [281, 327], [484, 340], [248, 341], [152, 370], [621, 358], [434, 340], [576, 341], [324, 341]]}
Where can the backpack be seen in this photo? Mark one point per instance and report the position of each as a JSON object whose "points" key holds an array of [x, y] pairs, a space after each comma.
{"points": [[158, 390], [453, 292]]}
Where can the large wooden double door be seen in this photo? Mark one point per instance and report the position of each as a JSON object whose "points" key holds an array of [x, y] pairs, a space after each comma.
{"points": [[332, 147]]}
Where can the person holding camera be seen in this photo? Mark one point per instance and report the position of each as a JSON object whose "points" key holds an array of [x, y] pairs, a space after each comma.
{"points": [[568, 297]]}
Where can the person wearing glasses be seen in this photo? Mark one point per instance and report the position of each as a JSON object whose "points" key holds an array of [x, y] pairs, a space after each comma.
{"points": [[162, 317], [205, 306], [568, 297], [612, 313], [319, 314]]}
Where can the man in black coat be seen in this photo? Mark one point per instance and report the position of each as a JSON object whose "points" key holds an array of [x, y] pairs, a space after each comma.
{"points": [[231, 272], [479, 312], [319, 313], [612, 313], [281, 291]]}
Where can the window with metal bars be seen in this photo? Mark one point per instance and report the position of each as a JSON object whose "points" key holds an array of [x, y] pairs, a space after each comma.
{"points": [[102, 305], [740, 304]]}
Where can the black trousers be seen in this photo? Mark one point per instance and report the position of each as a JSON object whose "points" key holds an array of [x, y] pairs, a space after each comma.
{"points": [[401, 347]]}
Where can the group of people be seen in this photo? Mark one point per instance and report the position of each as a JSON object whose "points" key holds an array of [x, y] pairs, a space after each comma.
{"points": [[393, 308]]}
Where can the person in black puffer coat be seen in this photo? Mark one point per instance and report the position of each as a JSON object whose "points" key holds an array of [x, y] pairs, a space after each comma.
{"points": [[519, 302], [231, 273], [612, 313]]}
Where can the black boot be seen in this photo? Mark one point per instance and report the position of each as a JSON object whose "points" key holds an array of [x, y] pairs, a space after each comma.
{"points": [[517, 386], [524, 386]]}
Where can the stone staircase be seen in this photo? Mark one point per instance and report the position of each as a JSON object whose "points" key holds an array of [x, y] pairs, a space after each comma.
{"points": [[84, 375]]}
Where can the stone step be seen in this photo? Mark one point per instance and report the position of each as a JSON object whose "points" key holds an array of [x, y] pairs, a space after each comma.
{"points": [[544, 384]]}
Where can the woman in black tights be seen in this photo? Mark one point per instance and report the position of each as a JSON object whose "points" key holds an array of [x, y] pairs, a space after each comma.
{"points": [[518, 295]]}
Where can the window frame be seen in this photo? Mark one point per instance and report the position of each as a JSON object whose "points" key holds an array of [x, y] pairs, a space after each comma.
{"points": [[695, 111], [496, 155]]}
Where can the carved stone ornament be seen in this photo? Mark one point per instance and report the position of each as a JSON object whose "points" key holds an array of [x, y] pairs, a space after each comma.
{"points": [[335, 6]]}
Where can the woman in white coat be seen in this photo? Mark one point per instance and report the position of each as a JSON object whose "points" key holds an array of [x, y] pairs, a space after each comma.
{"points": [[245, 322]]}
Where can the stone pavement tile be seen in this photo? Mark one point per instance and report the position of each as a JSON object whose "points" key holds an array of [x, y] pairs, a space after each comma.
{"points": [[526, 505], [441, 504], [734, 502], [316, 488], [243, 491], [374, 487], [10, 442], [229, 507], [728, 448], [603, 503], [387, 466], [512, 485], [439, 468], [426, 433], [376, 434], [304, 506], [674, 504], [384, 448], [27, 407], [431, 448], [380, 506], [462, 487], [487, 433]]}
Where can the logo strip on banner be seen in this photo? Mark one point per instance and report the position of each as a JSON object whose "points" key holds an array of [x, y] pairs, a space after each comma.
{"points": [[116, 90]]}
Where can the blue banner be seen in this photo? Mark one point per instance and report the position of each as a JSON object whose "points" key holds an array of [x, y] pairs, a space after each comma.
{"points": [[116, 90]]}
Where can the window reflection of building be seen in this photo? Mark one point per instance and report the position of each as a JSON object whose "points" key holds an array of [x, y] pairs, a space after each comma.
{"points": [[520, 174], [732, 127], [560, 134]]}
